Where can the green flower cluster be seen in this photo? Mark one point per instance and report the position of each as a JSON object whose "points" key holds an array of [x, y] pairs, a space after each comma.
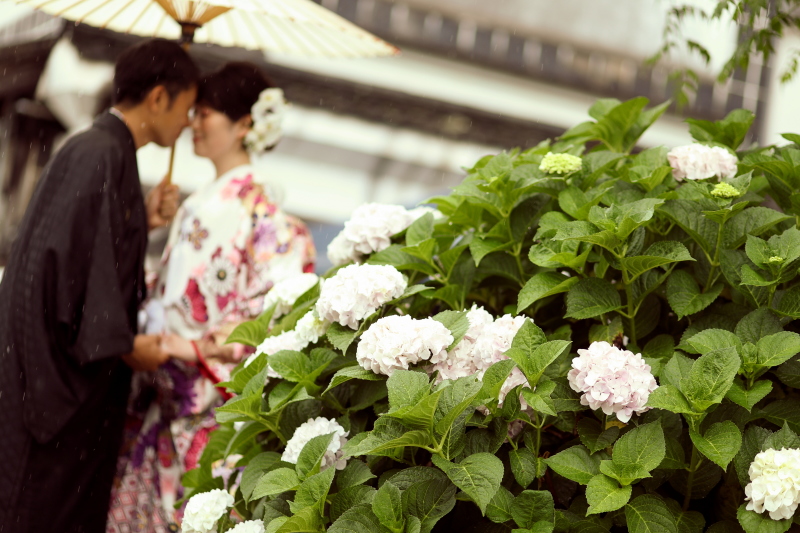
{"points": [[725, 190], [560, 163]]}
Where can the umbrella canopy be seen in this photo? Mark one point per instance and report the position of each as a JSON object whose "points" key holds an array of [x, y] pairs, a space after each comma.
{"points": [[285, 26]]}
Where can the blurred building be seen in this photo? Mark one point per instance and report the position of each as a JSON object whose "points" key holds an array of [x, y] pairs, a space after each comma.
{"points": [[475, 77]]}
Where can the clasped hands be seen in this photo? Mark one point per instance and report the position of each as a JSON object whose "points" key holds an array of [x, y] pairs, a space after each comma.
{"points": [[151, 351]]}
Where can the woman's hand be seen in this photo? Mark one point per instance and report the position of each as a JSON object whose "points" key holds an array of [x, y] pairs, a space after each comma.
{"points": [[182, 349], [179, 348]]}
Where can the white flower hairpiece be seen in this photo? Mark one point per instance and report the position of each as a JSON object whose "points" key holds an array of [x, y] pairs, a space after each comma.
{"points": [[267, 115]]}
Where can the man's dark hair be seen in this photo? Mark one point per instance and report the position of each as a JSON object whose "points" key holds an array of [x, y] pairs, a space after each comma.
{"points": [[233, 89], [148, 64]]}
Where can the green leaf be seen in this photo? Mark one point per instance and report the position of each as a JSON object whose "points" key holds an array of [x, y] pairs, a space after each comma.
{"points": [[423, 250], [308, 462], [591, 297], [757, 324], [313, 491], [684, 296], [789, 304], [478, 475], [353, 372], [783, 412], [240, 408], [533, 364], [358, 519], [709, 340], [456, 322], [420, 230], [720, 443], [753, 522], [258, 465], [355, 473], [642, 446], [649, 514], [752, 221], [275, 482], [523, 466], [348, 498], [541, 286], [499, 509], [532, 506], [748, 398], [307, 520], [539, 400], [254, 332], [419, 415], [480, 247], [710, 378], [245, 434], [605, 494], [407, 388], [575, 464], [341, 336], [593, 437], [783, 438], [678, 367], [789, 373], [388, 506], [670, 399], [454, 400], [494, 378], [687, 214], [429, 501], [659, 254], [777, 348], [754, 438]]}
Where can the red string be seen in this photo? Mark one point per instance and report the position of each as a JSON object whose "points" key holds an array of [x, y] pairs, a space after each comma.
{"points": [[208, 373]]}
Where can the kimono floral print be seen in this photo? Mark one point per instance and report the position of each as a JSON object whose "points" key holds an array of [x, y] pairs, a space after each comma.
{"points": [[228, 246]]}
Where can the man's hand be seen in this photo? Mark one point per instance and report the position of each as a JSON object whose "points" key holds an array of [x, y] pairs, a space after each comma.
{"points": [[147, 354], [162, 204]]}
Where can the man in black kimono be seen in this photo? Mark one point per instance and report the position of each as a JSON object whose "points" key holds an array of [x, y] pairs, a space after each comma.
{"points": [[69, 301]]}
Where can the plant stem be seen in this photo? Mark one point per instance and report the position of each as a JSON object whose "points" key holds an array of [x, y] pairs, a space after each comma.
{"points": [[715, 261], [631, 305], [694, 464]]}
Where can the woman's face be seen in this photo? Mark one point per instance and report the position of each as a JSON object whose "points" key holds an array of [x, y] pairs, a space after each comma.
{"points": [[214, 134]]}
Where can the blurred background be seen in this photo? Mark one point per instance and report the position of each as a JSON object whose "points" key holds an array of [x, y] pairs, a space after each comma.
{"points": [[474, 78]]}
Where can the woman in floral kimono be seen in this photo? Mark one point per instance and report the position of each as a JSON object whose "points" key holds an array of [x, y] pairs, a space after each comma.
{"points": [[229, 244]]}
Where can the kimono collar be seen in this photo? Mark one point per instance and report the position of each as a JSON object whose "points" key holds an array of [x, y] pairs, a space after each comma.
{"points": [[113, 123]]}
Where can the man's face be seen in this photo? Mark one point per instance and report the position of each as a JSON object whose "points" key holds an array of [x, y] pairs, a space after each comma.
{"points": [[171, 117]]}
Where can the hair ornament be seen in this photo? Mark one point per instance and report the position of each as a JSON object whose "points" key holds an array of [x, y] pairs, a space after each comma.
{"points": [[267, 115]]}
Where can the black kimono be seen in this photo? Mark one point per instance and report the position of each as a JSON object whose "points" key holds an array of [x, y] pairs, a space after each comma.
{"points": [[68, 306]]}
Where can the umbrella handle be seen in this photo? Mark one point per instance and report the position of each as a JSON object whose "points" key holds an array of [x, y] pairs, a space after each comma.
{"points": [[168, 178]]}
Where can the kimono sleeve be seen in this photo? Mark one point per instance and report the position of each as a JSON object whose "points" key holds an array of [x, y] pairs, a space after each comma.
{"points": [[91, 318]]}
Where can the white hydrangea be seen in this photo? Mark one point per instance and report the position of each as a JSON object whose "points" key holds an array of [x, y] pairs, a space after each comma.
{"points": [[286, 292], [774, 483], [310, 328], [369, 230], [616, 381], [314, 428], [357, 291], [250, 526], [204, 510], [395, 342], [697, 162], [460, 362], [491, 347]]}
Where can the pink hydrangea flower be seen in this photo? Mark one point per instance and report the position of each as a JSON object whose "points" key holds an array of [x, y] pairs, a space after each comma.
{"points": [[697, 162], [616, 381]]}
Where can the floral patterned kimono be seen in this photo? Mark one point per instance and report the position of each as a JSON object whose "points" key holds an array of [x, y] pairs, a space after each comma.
{"points": [[228, 246]]}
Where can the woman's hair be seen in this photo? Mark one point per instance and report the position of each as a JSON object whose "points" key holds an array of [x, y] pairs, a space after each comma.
{"points": [[154, 62], [233, 89]]}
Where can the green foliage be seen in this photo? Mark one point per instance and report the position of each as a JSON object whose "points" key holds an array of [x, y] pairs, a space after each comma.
{"points": [[613, 249]]}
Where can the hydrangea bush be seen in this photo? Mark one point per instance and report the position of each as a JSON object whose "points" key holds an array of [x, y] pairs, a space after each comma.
{"points": [[580, 338]]}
